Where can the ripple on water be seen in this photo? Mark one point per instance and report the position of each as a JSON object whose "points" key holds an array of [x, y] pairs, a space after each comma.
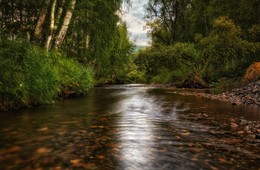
{"points": [[126, 127]]}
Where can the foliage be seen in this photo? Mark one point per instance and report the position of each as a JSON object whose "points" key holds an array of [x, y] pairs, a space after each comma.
{"points": [[254, 33], [90, 31], [225, 84], [252, 72], [226, 53], [164, 76], [170, 21], [166, 20], [165, 64], [32, 76], [75, 78], [135, 76], [221, 53]]}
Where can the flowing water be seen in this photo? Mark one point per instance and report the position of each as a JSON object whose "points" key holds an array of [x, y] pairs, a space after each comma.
{"points": [[127, 127]]}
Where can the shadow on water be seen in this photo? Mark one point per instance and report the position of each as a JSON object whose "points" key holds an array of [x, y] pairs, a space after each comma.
{"points": [[128, 127]]}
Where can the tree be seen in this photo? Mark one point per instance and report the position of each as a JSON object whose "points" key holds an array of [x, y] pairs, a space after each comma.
{"points": [[61, 33], [224, 50], [166, 19]]}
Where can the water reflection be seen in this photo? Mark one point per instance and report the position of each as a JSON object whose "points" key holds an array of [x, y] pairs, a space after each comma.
{"points": [[136, 133], [140, 117]]}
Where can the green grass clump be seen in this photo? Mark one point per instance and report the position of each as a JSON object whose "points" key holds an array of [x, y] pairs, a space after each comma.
{"points": [[74, 77], [30, 75]]}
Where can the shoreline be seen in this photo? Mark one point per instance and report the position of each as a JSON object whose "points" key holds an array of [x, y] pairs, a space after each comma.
{"points": [[248, 95]]}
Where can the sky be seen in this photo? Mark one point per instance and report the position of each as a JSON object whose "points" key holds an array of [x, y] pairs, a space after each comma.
{"points": [[133, 16]]}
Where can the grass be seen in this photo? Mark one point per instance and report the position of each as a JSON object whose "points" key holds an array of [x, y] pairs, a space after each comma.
{"points": [[32, 76]]}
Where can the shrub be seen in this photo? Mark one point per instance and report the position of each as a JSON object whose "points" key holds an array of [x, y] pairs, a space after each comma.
{"points": [[252, 73], [41, 78], [31, 75], [167, 64], [74, 78], [225, 52], [254, 33], [13, 90], [164, 76], [136, 76]]}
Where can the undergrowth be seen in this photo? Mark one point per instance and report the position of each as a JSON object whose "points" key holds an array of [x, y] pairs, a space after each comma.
{"points": [[32, 76]]}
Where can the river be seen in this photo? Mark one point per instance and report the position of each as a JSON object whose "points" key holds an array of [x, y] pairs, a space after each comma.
{"points": [[128, 127]]}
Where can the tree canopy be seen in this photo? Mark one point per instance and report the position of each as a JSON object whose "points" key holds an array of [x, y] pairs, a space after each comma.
{"points": [[90, 31]]}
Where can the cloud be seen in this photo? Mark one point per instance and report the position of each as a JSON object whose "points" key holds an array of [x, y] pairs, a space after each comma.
{"points": [[133, 16], [140, 38]]}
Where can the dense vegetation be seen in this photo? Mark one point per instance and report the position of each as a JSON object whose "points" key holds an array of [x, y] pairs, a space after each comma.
{"points": [[31, 76], [198, 42], [54, 48]]}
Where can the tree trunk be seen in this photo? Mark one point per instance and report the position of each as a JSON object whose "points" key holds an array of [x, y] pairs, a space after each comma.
{"points": [[87, 41], [63, 30], [52, 21], [41, 21], [58, 17]]}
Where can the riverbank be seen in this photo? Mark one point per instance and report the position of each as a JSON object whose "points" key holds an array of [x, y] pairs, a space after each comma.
{"points": [[248, 95], [30, 75]]}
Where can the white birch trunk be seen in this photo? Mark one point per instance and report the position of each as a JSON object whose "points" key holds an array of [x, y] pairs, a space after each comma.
{"points": [[63, 30], [87, 41], [42, 17], [59, 14], [52, 22]]}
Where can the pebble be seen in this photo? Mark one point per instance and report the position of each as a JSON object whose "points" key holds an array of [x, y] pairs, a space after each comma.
{"points": [[248, 95], [246, 128], [234, 125], [243, 122]]}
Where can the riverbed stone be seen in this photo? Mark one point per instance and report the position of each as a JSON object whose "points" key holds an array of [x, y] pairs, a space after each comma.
{"points": [[243, 122], [234, 125]]}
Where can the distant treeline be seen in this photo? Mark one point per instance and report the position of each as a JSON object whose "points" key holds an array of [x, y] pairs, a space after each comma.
{"points": [[200, 42]]}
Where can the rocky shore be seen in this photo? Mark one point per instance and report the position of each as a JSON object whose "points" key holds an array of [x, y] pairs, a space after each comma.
{"points": [[247, 95]]}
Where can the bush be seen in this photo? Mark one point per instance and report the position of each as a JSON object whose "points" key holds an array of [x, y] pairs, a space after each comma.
{"points": [[225, 52], [74, 77], [167, 64], [42, 80], [252, 73], [164, 76], [32, 76]]}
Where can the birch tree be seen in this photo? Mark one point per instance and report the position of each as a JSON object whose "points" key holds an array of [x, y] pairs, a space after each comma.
{"points": [[52, 21], [64, 27], [41, 20]]}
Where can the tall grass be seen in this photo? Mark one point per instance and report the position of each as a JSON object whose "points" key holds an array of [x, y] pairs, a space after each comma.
{"points": [[30, 75]]}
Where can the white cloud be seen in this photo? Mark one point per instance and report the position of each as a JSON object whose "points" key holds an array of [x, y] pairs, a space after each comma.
{"points": [[134, 18]]}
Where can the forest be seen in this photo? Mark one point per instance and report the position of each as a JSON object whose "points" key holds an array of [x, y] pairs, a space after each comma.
{"points": [[201, 43], [51, 49]]}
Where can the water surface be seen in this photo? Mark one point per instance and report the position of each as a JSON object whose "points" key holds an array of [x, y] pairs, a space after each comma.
{"points": [[127, 127]]}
